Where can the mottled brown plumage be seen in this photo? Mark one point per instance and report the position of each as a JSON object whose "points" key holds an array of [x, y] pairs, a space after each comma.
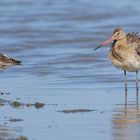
{"points": [[133, 38], [6, 61], [125, 51]]}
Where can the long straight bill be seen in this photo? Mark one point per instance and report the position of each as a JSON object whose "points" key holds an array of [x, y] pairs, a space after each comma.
{"points": [[105, 43]]}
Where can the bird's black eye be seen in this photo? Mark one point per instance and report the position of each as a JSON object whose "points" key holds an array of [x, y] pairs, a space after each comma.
{"points": [[117, 33]]}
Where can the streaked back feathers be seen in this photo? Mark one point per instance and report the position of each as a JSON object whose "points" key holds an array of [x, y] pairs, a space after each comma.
{"points": [[7, 61]]}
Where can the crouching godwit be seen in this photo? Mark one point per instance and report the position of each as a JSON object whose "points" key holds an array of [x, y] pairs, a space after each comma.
{"points": [[6, 61], [125, 52]]}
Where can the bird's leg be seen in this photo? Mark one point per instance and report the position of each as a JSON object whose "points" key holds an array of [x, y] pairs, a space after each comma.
{"points": [[137, 84], [125, 87], [126, 110], [125, 80]]}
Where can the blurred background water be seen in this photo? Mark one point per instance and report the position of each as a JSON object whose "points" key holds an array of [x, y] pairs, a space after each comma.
{"points": [[55, 41]]}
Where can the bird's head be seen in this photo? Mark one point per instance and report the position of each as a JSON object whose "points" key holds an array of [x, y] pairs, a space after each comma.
{"points": [[118, 34]]}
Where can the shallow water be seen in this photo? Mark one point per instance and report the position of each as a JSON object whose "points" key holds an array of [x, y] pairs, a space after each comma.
{"points": [[55, 40]]}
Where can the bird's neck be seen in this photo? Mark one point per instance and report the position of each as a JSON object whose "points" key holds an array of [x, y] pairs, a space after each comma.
{"points": [[122, 42]]}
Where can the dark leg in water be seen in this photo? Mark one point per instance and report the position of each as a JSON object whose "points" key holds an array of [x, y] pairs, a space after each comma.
{"points": [[137, 86], [125, 86], [125, 92]]}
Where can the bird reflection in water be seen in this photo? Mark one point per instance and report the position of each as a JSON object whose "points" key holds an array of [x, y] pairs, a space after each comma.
{"points": [[126, 121]]}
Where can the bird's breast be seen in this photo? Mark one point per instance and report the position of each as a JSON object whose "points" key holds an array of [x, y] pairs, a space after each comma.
{"points": [[124, 59]]}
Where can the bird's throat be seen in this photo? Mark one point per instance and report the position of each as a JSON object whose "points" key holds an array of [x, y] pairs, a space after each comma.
{"points": [[122, 42]]}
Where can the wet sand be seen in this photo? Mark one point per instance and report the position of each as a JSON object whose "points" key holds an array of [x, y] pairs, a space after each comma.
{"points": [[64, 89]]}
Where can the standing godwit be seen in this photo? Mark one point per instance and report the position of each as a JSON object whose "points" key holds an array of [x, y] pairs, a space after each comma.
{"points": [[6, 61], [125, 52]]}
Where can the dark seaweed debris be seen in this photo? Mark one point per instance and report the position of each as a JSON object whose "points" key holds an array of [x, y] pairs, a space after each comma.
{"points": [[2, 93], [17, 104], [37, 105], [22, 138], [19, 138], [75, 110], [15, 119]]}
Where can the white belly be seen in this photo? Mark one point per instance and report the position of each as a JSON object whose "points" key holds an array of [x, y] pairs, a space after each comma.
{"points": [[131, 64]]}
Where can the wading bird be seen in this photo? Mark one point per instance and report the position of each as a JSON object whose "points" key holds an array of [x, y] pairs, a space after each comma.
{"points": [[125, 52], [6, 61]]}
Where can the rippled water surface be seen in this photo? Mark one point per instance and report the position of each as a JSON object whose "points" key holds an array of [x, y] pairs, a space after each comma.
{"points": [[55, 39]]}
